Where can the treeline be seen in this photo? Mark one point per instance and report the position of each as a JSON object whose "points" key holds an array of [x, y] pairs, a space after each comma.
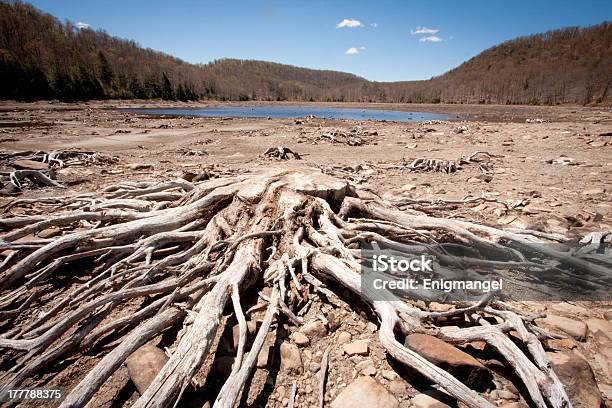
{"points": [[42, 58]]}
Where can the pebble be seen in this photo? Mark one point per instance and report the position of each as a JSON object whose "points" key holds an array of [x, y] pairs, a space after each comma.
{"points": [[314, 329], [344, 337], [300, 339], [389, 375], [290, 357], [425, 401], [356, 348]]}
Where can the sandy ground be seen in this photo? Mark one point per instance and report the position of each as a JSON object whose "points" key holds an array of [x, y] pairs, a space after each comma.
{"points": [[569, 199]]}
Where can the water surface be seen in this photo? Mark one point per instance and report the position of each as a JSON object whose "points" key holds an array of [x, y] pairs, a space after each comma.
{"points": [[276, 111]]}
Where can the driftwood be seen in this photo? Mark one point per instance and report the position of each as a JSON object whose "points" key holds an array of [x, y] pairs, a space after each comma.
{"points": [[44, 176], [450, 166], [281, 153], [191, 249]]}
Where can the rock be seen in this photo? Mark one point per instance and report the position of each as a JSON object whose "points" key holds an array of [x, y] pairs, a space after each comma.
{"points": [[561, 344], [356, 348], [365, 392], [593, 191], [344, 337], [568, 308], [314, 329], [389, 375], [24, 164], [263, 358], [409, 187], [425, 401], [465, 367], [369, 370], [515, 405], [486, 178], [224, 365], [574, 328], [333, 321], [251, 329], [504, 395], [371, 327], [599, 327], [440, 307], [300, 339], [363, 364], [576, 374], [144, 364], [140, 166], [608, 315], [397, 387], [49, 233], [290, 357]]}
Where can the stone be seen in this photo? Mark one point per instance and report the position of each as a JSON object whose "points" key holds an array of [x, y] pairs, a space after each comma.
{"points": [[440, 307], [290, 357], [599, 327], [363, 364], [300, 339], [608, 315], [593, 191], [144, 364], [369, 370], [397, 387], [389, 375], [344, 337], [314, 329], [357, 347], [371, 327], [263, 358], [568, 308], [577, 376], [448, 357], [251, 329], [425, 401], [409, 187], [49, 233], [365, 392], [561, 344], [140, 166], [24, 164], [515, 405], [504, 395], [574, 328]]}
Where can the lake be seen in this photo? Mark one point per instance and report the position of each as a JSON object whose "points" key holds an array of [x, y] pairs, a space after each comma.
{"points": [[276, 111]]}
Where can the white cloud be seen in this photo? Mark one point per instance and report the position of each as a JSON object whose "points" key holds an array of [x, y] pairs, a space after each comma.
{"points": [[354, 50], [424, 30], [374, 25], [431, 38], [81, 25], [350, 23]]}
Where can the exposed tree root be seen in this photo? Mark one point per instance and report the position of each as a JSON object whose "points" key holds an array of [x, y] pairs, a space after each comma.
{"points": [[194, 248], [450, 166], [281, 153]]}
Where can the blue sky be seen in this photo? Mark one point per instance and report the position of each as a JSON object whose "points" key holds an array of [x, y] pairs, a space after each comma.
{"points": [[379, 40]]}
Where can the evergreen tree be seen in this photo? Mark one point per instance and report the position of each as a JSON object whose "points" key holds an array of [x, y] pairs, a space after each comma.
{"points": [[166, 90]]}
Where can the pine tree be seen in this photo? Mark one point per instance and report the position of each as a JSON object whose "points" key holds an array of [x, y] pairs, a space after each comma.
{"points": [[166, 89]]}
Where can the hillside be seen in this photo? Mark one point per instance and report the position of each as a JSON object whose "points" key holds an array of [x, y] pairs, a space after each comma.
{"points": [[42, 58], [567, 65]]}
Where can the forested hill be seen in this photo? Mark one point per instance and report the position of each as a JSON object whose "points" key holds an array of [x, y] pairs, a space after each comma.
{"points": [[42, 58]]}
